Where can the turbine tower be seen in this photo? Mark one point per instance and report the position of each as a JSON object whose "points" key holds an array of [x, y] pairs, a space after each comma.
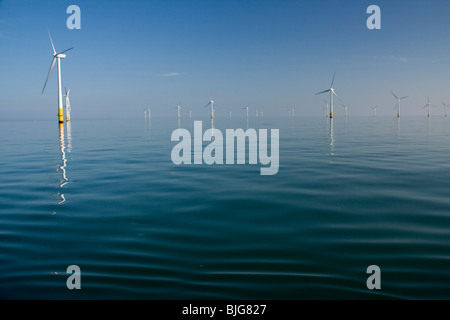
{"points": [[445, 108], [247, 111], [374, 111], [179, 108], [326, 108], [211, 102], [57, 57], [67, 105], [428, 105], [332, 92], [398, 103], [346, 109]]}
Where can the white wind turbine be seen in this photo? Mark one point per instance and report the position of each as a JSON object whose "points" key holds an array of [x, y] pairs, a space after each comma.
{"points": [[247, 111], [346, 109], [374, 111], [332, 92], [325, 110], [57, 57], [445, 108], [178, 108], [293, 112], [428, 105], [67, 105], [149, 113], [398, 103], [211, 102]]}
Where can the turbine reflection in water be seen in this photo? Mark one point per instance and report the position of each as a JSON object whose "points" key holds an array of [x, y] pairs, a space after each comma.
{"points": [[63, 180], [331, 140]]}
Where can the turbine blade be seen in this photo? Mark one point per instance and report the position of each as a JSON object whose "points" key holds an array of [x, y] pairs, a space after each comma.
{"points": [[332, 81], [49, 71], [323, 92], [403, 97], [54, 51], [65, 50], [394, 95], [207, 104]]}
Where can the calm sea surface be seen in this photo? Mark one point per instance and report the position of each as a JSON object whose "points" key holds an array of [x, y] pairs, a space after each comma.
{"points": [[105, 195]]}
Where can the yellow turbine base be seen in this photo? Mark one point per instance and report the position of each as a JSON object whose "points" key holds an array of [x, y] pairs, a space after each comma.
{"points": [[212, 116], [67, 119], [331, 115], [60, 116], [398, 115]]}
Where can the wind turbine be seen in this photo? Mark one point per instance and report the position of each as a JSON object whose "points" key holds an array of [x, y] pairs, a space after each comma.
{"points": [[211, 102], [326, 108], [398, 103], [428, 105], [332, 92], [179, 108], [293, 112], [67, 105], [149, 114], [445, 108], [346, 109], [247, 111], [374, 111], [57, 57]]}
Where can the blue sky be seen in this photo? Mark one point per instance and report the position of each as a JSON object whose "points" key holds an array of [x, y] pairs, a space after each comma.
{"points": [[269, 55]]}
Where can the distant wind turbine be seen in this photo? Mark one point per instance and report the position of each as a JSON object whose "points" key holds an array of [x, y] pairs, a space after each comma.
{"points": [[293, 112], [67, 105], [332, 92], [398, 103], [211, 102], [445, 108], [247, 111], [374, 111], [57, 57], [179, 108], [428, 105], [149, 113], [325, 109], [346, 109]]}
